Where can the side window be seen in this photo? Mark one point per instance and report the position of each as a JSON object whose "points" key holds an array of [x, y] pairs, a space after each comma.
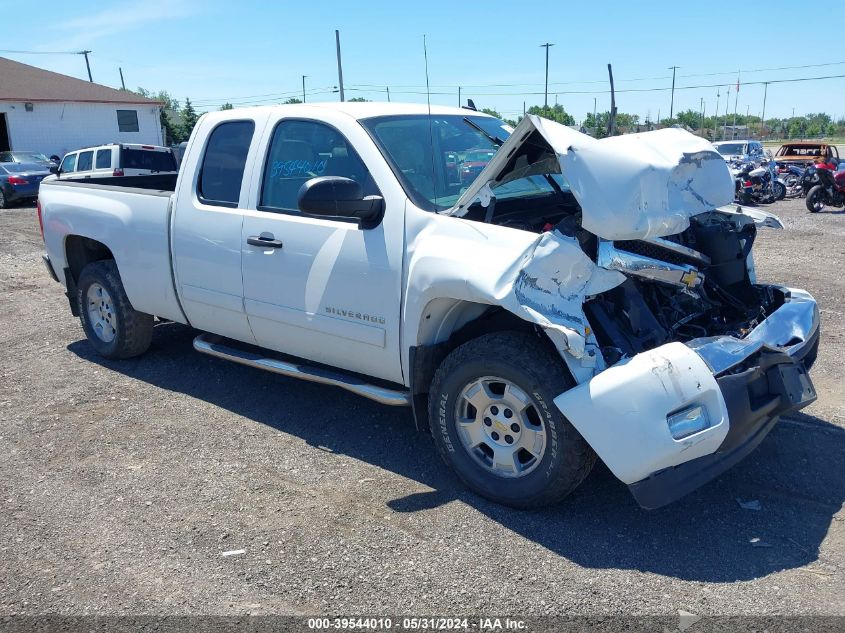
{"points": [[222, 170], [85, 162], [301, 150], [103, 158], [69, 163]]}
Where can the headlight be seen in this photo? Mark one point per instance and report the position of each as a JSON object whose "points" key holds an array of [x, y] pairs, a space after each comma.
{"points": [[688, 421]]}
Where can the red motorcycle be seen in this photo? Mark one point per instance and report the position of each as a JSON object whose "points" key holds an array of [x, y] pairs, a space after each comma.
{"points": [[830, 190]]}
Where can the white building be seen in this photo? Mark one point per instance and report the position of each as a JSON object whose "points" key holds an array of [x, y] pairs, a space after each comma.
{"points": [[43, 111]]}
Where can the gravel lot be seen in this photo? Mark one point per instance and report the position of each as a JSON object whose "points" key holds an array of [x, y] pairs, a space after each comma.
{"points": [[124, 483]]}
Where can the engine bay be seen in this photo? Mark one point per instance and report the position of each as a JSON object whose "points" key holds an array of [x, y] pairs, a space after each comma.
{"points": [[694, 284]]}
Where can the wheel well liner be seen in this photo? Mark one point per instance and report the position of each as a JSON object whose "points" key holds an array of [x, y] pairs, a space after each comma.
{"points": [[79, 252]]}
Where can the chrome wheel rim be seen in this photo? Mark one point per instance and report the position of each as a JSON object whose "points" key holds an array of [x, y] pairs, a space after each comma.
{"points": [[500, 427], [818, 205], [101, 313]]}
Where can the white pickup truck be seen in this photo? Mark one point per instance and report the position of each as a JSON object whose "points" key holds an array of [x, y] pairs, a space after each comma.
{"points": [[577, 298]]}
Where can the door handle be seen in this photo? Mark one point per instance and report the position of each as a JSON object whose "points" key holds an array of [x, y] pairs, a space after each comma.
{"points": [[264, 242]]}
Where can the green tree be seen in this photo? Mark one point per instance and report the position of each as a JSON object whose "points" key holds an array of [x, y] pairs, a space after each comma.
{"points": [[292, 101], [189, 119], [555, 113], [491, 112], [227, 106], [162, 95], [358, 99]]}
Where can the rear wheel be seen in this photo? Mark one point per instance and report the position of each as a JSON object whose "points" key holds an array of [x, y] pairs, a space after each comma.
{"points": [[815, 199], [3, 202], [779, 190], [495, 422], [113, 327]]}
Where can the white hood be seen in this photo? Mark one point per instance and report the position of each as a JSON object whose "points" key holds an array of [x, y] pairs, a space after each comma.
{"points": [[629, 187]]}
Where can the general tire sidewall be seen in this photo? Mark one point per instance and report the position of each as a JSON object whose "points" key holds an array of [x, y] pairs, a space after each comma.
{"points": [[86, 279], [449, 443]]}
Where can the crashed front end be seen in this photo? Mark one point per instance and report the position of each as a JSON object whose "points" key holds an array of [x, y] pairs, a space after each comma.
{"points": [[683, 362]]}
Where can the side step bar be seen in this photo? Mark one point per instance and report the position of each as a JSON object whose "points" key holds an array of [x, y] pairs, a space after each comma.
{"points": [[212, 345]]}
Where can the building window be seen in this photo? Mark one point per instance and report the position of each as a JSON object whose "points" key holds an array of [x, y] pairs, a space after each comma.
{"points": [[127, 120]]}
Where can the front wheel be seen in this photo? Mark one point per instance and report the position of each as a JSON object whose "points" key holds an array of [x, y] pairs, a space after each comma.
{"points": [[815, 199], [495, 423], [779, 190], [113, 327]]}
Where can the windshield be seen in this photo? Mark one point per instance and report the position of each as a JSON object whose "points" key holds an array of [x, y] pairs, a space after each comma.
{"points": [[729, 149], [436, 158]]}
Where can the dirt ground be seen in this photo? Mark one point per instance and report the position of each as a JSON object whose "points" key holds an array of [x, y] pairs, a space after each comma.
{"points": [[126, 486]]}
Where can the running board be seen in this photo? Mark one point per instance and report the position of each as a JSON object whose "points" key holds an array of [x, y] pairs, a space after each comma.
{"points": [[212, 345]]}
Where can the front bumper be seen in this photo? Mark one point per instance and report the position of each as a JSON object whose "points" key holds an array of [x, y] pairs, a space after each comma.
{"points": [[744, 385]]}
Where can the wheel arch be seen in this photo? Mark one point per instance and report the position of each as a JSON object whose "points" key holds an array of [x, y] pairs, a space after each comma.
{"points": [[79, 251], [445, 324]]}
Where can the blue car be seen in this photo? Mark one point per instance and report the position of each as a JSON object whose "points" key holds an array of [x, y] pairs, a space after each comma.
{"points": [[20, 181]]}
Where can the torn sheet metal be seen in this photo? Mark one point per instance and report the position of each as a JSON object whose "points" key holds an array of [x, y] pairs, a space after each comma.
{"points": [[543, 279], [629, 187], [552, 286], [758, 216]]}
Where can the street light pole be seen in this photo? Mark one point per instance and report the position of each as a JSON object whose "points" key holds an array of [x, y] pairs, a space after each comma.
{"points": [[672, 102], [303, 88], [547, 45], [765, 94], [716, 120]]}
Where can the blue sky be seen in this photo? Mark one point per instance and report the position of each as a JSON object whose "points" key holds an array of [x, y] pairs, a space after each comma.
{"points": [[256, 52]]}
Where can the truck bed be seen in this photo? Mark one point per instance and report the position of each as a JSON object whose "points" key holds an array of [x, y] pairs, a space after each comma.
{"points": [[129, 214]]}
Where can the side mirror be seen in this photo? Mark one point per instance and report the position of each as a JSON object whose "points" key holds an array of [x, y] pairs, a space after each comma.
{"points": [[338, 197], [54, 169]]}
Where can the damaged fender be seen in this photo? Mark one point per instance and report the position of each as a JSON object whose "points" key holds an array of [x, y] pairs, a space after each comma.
{"points": [[623, 411], [543, 279]]}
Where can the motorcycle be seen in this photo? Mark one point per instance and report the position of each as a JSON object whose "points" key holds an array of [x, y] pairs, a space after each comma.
{"points": [[829, 190], [791, 177], [755, 184]]}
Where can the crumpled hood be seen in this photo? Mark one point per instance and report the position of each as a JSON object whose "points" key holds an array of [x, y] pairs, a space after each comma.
{"points": [[629, 187]]}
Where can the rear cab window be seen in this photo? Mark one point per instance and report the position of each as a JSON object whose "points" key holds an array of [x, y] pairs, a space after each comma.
{"points": [[222, 171], [148, 160]]}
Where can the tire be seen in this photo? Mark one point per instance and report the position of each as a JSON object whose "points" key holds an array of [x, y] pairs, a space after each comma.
{"points": [[4, 203], [513, 368], [779, 190], [815, 199], [113, 327]]}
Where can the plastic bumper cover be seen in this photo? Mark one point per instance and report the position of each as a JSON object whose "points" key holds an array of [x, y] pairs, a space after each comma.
{"points": [[743, 384]]}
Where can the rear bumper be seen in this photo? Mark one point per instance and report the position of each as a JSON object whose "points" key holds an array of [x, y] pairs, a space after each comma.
{"points": [[744, 385]]}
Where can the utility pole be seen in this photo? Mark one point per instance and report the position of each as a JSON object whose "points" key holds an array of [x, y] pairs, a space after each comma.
{"points": [[547, 45], [701, 113], [727, 104], [122, 85], [716, 120], [611, 124], [523, 108], [595, 122], [672, 102], [339, 65], [388, 93], [303, 88], [87, 65], [459, 96], [763, 119], [736, 103]]}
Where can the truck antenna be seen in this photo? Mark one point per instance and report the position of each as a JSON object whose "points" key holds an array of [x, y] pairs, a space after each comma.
{"points": [[430, 129]]}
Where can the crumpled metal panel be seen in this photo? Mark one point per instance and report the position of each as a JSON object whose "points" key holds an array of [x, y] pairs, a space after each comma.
{"points": [[634, 186]]}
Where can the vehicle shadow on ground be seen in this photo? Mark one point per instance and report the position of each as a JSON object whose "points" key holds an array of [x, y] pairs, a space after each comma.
{"points": [[795, 475]]}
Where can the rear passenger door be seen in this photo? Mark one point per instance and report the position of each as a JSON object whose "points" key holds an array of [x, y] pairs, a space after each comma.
{"points": [[207, 225]]}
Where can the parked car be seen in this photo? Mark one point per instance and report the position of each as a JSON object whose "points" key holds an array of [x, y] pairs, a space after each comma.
{"points": [[806, 153], [529, 325], [20, 181], [116, 159], [474, 161], [742, 151], [31, 158]]}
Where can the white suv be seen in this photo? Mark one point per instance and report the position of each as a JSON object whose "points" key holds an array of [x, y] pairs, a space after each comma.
{"points": [[116, 159]]}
